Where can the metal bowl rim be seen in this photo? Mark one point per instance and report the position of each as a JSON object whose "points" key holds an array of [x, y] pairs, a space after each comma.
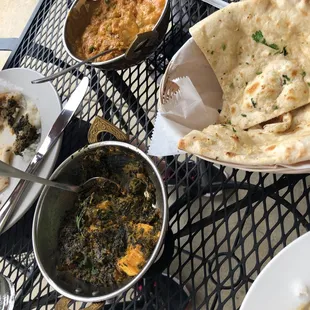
{"points": [[110, 61], [155, 251]]}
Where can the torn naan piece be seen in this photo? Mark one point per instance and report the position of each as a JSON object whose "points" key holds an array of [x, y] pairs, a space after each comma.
{"points": [[278, 124], [5, 156], [259, 51], [255, 146]]}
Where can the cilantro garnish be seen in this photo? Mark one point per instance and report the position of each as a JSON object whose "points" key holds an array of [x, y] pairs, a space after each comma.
{"points": [[79, 219], [272, 45], [284, 51], [253, 103], [244, 115], [259, 38]]}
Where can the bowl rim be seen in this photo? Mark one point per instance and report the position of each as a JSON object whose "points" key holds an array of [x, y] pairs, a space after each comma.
{"points": [[156, 250], [110, 61]]}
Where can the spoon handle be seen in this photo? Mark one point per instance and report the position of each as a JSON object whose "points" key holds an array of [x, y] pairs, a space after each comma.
{"points": [[62, 72], [7, 170]]}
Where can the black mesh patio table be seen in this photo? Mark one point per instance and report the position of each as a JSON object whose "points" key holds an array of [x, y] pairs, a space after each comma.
{"points": [[226, 225]]}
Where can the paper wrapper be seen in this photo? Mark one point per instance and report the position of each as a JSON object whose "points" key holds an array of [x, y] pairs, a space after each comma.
{"points": [[190, 97], [183, 112]]}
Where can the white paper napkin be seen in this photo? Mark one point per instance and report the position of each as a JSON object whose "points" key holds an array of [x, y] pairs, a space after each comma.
{"points": [[181, 113]]}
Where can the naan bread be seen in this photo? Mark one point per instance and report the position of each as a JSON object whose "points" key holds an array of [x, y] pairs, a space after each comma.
{"points": [[260, 53], [5, 156], [255, 146], [279, 124]]}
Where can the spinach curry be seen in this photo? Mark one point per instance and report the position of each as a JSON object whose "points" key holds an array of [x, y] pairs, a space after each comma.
{"points": [[11, 107], [112, 231]]}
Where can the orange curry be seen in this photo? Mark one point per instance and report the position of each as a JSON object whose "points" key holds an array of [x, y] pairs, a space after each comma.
{"points": [[115, 24]]}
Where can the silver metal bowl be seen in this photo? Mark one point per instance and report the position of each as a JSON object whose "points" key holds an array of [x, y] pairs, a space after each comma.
{"points": [[79, 17], [50, 211]]}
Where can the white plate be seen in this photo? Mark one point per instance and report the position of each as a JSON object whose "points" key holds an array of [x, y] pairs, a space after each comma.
{"points": [[277, 286], [46, 99]]}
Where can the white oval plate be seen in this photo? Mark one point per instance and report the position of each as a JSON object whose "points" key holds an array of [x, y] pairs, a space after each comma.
{"points": [[46, 99], [279, 284]]}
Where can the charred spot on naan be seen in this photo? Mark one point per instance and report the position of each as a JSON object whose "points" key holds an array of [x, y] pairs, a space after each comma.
{"points": [[231, 154], [288, 152], [181, 144], [302, 153], [235, 138], [294, 73], [253, 88], [270, 148]]}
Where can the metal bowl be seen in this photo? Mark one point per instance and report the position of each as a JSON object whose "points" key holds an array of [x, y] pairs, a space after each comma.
{"points": [[50, 211], [79, 17]]}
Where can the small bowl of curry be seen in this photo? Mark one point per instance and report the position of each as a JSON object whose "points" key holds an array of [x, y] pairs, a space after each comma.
{"points": [[132, 28]]}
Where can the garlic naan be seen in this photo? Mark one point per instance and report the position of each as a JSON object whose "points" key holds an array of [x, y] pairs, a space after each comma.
{"points": [[260, 53], [254, 146], [5, 156]]}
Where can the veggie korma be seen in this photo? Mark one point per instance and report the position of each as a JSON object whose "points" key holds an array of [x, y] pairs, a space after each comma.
{"points": [[115, 24]]}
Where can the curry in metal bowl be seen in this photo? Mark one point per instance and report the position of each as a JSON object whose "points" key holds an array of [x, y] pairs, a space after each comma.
{"points": [[112, 230], [88, 248], [114, 24]]}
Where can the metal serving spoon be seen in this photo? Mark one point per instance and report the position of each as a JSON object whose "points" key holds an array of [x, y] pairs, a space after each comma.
{"points": [[7, 293], [62, 72], [7, 170]]}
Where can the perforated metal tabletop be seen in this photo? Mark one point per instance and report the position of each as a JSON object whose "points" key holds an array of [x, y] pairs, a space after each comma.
{"points": [[225, 224]]}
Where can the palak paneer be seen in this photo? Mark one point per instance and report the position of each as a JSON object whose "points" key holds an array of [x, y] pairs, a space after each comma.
{"points": [[111, 232]]}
